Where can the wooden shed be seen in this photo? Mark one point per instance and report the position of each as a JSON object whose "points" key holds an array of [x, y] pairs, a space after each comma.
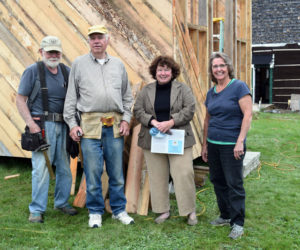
{"points": [[188, 30]]}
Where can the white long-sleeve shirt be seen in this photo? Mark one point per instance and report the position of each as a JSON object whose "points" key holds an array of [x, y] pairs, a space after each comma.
{"points": [[97, 88]]}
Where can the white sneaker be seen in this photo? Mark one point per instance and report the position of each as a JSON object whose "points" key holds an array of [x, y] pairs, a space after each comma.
{"points": [[124, 218], [95, 220]]}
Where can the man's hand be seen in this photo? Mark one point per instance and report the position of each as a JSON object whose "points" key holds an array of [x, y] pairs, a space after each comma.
{"points": [[34, 128], [75, 132], [124, 128]]}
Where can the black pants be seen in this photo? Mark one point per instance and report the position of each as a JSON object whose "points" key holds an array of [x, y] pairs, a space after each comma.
{"points": [[226, 174]]}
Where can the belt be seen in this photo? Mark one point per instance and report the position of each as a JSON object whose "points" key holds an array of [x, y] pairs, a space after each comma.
{"points": [[52, 117]]}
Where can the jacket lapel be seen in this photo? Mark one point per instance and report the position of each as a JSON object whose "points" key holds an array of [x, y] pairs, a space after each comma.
{"points": [[151, 94], [174, 92]]}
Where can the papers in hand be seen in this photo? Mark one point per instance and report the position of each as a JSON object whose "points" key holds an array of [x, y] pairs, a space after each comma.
{"points": [[169, 143]]}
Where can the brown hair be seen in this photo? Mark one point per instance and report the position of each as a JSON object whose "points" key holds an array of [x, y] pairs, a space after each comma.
{"points": [[164, 60], [227, 61]]}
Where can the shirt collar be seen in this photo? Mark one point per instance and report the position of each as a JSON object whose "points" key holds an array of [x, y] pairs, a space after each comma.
{"points": [[107, 57]]}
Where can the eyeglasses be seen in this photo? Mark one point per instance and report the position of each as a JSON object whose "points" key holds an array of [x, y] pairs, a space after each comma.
{"points": [[221, 66]]}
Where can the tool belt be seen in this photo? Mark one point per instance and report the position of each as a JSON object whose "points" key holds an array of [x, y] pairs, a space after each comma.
{"points": [[52, 117], [33, 141], [92, 123]]}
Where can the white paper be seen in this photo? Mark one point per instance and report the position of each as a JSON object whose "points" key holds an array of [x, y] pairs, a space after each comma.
{"points": [[169, 144]]}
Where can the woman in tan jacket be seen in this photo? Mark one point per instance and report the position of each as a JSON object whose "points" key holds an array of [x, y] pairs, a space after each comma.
{"points": [[165, 104]]}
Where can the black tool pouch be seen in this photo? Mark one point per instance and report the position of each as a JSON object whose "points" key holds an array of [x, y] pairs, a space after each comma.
{"points": [[72, 146], [29, 141], [34, 141]]}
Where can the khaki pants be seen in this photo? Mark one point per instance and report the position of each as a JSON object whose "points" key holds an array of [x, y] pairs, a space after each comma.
{"points": [[181, 169]]}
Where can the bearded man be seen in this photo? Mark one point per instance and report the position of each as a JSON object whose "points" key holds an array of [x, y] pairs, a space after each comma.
{"points": [[51, 123]]}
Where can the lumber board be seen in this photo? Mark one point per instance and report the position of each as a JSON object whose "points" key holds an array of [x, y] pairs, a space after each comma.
{"points": [[249, 42], [160, 33], [13, 136], [185, 35], [8, 105], [163, 7], [8, 147], [80, 198], [133, 180], [73, 167], [11, 26], [8, 74], [11, 176], [144, 196], [52, 23]]}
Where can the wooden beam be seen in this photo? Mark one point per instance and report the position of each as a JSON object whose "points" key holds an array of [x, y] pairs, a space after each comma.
{"points": [[144, 197], [249, 42], [11, 176], [73, 167], [80, 198], [134, 172], [197, 27], [230, 29]]}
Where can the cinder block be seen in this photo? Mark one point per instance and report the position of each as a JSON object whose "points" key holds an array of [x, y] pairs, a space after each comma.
{"points": [[251, 162]]}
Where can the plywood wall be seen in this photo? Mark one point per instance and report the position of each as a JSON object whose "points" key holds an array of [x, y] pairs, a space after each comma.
{"points": [[139, 29]]}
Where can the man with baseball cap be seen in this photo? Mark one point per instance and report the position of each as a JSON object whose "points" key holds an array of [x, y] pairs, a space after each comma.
{"points": [[99, 89], [51, 122]]}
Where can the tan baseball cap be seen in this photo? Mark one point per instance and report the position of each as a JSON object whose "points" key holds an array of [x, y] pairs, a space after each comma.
{"points": [[97, 29], [51, 43]]}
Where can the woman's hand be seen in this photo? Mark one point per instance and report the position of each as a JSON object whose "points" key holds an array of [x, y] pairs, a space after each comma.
{"points": [[238, 150], [165, 126], [204, 153]]}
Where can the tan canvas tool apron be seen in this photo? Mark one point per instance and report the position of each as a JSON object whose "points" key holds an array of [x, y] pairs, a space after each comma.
{"points": [[91, 123]]}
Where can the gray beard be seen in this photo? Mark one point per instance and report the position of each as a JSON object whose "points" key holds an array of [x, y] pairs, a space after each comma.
{"points": [[50, 63]]}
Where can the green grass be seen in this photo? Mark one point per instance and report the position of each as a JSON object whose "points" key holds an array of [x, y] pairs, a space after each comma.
{"points": [[272, 206]]}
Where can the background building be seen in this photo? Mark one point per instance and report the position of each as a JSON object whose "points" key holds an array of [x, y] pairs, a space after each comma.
{"points": [[276, 50]]}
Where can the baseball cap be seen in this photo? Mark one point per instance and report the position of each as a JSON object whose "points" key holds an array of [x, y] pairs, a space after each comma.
{"points": [[97, 29], [51, 43]]}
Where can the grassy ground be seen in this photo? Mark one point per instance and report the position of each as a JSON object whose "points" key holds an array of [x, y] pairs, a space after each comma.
{"points": [[272, 206]]}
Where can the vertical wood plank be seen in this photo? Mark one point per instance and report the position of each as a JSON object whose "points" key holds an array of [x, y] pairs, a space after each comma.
{"points": [[134, 172], [73, 167]]}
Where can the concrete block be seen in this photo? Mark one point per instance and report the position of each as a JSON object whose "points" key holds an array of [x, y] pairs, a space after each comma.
{"points": [[251, 162], [295, 102]]}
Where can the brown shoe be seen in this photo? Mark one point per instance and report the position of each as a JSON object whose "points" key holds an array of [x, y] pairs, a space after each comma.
{"points": [[192, 219], [67, 210], [164, 216], [36, 218]]}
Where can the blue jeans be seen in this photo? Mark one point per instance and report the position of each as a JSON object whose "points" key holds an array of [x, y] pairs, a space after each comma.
{"points": [[95, 152], [226, 173], [56, 137]]}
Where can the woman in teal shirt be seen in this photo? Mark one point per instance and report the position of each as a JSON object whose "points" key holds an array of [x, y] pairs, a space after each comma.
{"points": [[228, 117]]}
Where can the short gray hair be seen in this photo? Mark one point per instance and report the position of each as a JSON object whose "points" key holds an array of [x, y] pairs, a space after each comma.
{"points": [[105, 35], [227, 61]]}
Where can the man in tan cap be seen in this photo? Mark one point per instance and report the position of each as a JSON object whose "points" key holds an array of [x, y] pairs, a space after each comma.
{"points": [[99, 89], [31, 105]]}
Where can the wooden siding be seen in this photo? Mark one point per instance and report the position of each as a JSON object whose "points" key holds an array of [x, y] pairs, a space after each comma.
{"points": [[139, 29]]}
